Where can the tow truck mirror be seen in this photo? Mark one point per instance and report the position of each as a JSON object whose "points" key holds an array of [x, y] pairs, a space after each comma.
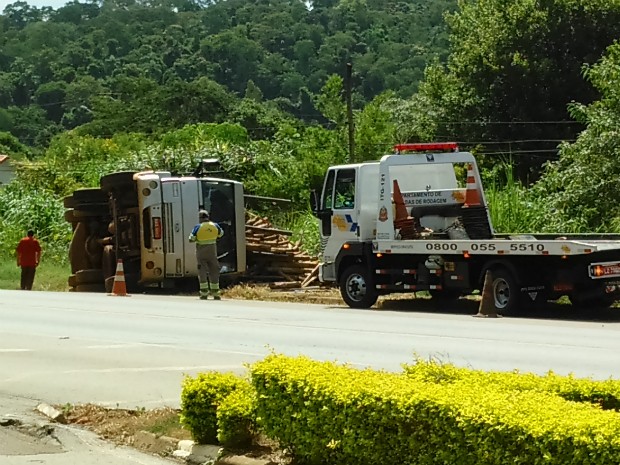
{"points": [[314, 202]]}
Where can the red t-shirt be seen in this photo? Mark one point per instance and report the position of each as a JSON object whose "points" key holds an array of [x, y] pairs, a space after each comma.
{"points": [[27, 251]]}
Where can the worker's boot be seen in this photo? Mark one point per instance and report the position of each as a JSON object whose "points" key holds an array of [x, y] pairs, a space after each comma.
{"points": [[204, 291], [215, 291]]}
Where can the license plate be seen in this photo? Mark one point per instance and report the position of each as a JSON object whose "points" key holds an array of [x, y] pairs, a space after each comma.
{"points": [[604, 270]]}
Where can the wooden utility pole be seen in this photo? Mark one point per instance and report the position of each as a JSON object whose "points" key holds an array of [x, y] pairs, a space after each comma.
{"points": [[348, 86]]}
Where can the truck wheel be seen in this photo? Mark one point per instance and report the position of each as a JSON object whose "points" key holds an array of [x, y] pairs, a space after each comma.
{"points": [[91, 276], [70, 217], [88, 211], [505, 291], [100, 287], [116, 180], [89, 196], [356, 288], [69, 202], [108, 261], [109, 284]]}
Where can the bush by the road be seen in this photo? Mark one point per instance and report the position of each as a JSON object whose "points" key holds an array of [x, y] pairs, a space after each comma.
{"points": [[331, 414], [605, 394], [207, 412]]}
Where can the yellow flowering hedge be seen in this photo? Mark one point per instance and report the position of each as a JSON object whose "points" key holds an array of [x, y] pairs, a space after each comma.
{"points": [[218, 408], [326, 413], [606, 393]]}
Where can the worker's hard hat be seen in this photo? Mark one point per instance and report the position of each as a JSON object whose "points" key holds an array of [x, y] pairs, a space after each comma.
{"points": [[203, 214]]}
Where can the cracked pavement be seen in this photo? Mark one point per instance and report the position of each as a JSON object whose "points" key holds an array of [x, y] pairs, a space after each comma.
{"points": [[28, 438]]}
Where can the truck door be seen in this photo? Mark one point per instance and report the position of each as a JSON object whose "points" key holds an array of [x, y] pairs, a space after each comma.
{"points": [[339, 199]]}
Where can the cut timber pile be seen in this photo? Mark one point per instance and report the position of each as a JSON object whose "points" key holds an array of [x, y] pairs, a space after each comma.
{"points": [[271, 255]]}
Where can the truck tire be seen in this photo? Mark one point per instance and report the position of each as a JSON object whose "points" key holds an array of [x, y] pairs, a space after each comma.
{"points": [[89, 196], [108, 261], [356, 287], [88, 211], [69, 202], [70, 217], [99, 287], [116, 180], [92, 276], [505, 291], [109, 284]]}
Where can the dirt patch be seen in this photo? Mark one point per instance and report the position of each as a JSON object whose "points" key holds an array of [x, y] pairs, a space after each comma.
{"points": [[122, 425], [156, 431]]}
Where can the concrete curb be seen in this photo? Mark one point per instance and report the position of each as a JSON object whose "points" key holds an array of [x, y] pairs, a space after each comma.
{"points": [[207, 454], [51, 413]]}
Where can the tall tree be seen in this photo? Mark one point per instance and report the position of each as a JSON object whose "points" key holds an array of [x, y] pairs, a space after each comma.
{"points": [[514, 68]]}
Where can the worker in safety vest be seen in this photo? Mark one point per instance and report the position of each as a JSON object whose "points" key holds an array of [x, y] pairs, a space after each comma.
{"points": [[205, 234]]}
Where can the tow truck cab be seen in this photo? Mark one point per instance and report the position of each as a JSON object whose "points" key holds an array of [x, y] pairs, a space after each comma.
{"points": [[356, 205]]}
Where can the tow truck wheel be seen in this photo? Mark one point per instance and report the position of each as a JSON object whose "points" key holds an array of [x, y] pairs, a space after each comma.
{"points": [[356, 288], [505, 292]]}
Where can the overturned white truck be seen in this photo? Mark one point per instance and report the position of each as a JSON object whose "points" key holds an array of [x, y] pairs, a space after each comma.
{"points": [[417, 220], [144, 219]]}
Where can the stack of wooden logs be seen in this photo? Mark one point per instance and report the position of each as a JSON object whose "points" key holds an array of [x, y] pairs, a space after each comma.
{"points": [[271, 256]]}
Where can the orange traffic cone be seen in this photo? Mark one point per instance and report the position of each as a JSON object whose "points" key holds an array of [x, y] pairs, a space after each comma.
{"points": [[487, 304], [119, 288], [472, 194], [399, 203]]}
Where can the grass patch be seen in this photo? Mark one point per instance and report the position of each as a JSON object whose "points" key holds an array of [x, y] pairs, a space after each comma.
{"points": [[50, 276]]}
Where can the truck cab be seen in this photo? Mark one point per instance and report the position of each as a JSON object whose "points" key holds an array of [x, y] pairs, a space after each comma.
{"points": [[145, 219], [169, 206], [357, 206]]}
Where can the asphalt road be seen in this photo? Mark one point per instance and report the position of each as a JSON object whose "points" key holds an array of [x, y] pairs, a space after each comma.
{"points": [[134, 351]]}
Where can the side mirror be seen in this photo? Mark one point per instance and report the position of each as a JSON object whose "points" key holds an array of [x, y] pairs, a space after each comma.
{"points": [[314, 203]]}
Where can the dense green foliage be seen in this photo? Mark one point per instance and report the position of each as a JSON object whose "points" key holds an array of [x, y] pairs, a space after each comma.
{"points": [[151, 66], [581, 187], [331, 414], [513, 69]]}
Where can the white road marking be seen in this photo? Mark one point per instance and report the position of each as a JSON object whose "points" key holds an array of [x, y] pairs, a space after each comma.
{"points": [[114, 346], [149, 369], [14, 350]]}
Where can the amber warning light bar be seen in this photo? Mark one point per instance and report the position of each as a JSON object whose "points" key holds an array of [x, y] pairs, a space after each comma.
{"points": [[427, 147]]}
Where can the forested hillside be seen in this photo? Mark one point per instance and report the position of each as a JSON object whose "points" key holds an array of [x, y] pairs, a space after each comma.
{"points": [[155, 65]]}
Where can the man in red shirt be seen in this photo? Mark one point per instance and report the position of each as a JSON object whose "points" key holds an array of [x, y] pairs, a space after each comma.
{"points": [[28, 254]]}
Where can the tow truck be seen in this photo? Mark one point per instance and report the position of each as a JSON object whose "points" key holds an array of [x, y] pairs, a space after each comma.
{"points": [[418, 220]]}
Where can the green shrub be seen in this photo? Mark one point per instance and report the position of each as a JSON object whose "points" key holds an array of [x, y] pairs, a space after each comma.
{"points": [[200, 399], [236, 418], [605, 394], [330, 414]]}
